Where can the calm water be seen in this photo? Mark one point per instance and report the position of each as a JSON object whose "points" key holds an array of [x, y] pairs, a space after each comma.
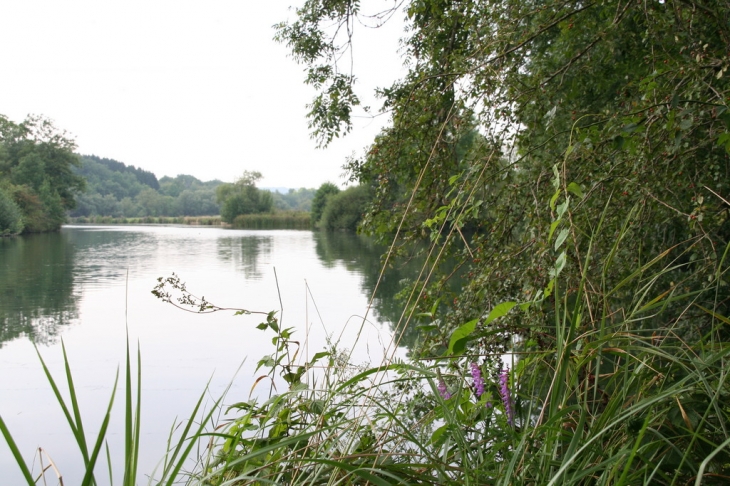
{"points": [[88, 285]]}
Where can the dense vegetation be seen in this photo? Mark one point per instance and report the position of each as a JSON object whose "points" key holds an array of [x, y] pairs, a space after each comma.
{"points": [[122, 191], [125, 192], [323, 194], [573, 159], [294, 199], [37, 181], [243, 197]]}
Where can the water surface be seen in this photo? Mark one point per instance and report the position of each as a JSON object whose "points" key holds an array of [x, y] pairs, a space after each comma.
{"points": [[89, 286]]}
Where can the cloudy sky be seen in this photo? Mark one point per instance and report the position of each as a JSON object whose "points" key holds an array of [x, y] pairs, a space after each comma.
{"points": [[182, 87]]}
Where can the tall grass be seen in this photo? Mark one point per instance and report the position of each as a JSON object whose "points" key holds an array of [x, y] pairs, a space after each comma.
{"points": [[178, 452], [625, 390], [277, 220]]}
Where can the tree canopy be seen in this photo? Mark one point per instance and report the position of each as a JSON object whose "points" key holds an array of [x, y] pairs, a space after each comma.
{"points": [[243, 197], [520, 121], [37, 181], [119, 190], [573, 160], [323, 194]]}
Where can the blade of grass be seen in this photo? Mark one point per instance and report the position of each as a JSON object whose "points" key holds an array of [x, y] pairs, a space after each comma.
{"points": [[16, 453], [89, 476], [75, 405], [132, 420]]}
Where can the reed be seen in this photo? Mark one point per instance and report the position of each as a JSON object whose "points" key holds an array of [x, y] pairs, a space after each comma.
{"points": [[278, 220]]}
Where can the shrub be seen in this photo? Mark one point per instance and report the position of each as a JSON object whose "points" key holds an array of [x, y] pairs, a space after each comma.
{"points": [[344, 210], [321, 197]]}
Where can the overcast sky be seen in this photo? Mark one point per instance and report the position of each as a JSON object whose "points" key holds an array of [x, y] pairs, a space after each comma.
{"points": [[182, 87]]}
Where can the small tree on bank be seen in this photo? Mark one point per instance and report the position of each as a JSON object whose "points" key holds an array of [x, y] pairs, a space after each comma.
{"points": [[321, 197], [243, 197]]}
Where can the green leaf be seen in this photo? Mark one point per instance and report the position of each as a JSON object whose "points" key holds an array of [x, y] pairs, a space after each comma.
{"points": [[575, 189], [561, 238], [459, 337], [563, 207], [554, 199], [16, 453], [436, 436], [560, 264], [553, 226], [499, 311], [318, 356]]}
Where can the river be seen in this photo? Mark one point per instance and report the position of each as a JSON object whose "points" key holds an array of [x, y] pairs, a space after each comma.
{"points": [[90, 287]]}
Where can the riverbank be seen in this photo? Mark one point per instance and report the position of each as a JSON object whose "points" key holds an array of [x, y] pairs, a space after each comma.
{"points": [[190, 220], [277, 220]]}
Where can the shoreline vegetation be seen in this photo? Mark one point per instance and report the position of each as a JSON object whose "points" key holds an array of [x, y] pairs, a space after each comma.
{"points": [[186, 220], [298, 220], [573, 161]]}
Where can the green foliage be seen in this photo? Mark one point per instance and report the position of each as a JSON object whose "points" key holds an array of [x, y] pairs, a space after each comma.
{"points": [[321, 197], [294, 200], [243, 197], [344, 210], [36, 169], [121, 191], [572, 158], [11, 217], [628, 101]]}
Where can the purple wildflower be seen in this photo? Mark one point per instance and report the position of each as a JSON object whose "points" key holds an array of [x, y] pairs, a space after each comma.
{"points": [[506, 398], [442, 389], [476, 374]]}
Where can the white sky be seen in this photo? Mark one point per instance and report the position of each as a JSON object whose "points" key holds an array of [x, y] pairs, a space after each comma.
{"points": [[182, 87]]}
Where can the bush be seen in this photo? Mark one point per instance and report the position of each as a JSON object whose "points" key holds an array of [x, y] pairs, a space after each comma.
{"points": [[344, 210], [321, 197]]}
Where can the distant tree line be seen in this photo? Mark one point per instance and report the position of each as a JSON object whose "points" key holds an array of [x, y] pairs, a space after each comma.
{"points": [[42, 181], [294, 200], [118, 190]]}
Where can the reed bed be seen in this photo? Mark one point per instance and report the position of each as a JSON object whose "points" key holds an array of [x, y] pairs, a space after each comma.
{"points": [[277, 220]]}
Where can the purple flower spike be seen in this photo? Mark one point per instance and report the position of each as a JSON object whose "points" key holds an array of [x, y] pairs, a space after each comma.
{"points": [[442, 390], [506, 398], [476, 374]]}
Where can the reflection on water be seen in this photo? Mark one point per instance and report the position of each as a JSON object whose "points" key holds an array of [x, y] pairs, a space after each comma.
{"points": [[361, 254], [91, 285], [43, 276], [36, 287], [245, 253], [104, 255]]}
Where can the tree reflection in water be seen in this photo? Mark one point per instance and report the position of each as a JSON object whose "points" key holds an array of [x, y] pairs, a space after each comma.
{"points": [[36, 287]]}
